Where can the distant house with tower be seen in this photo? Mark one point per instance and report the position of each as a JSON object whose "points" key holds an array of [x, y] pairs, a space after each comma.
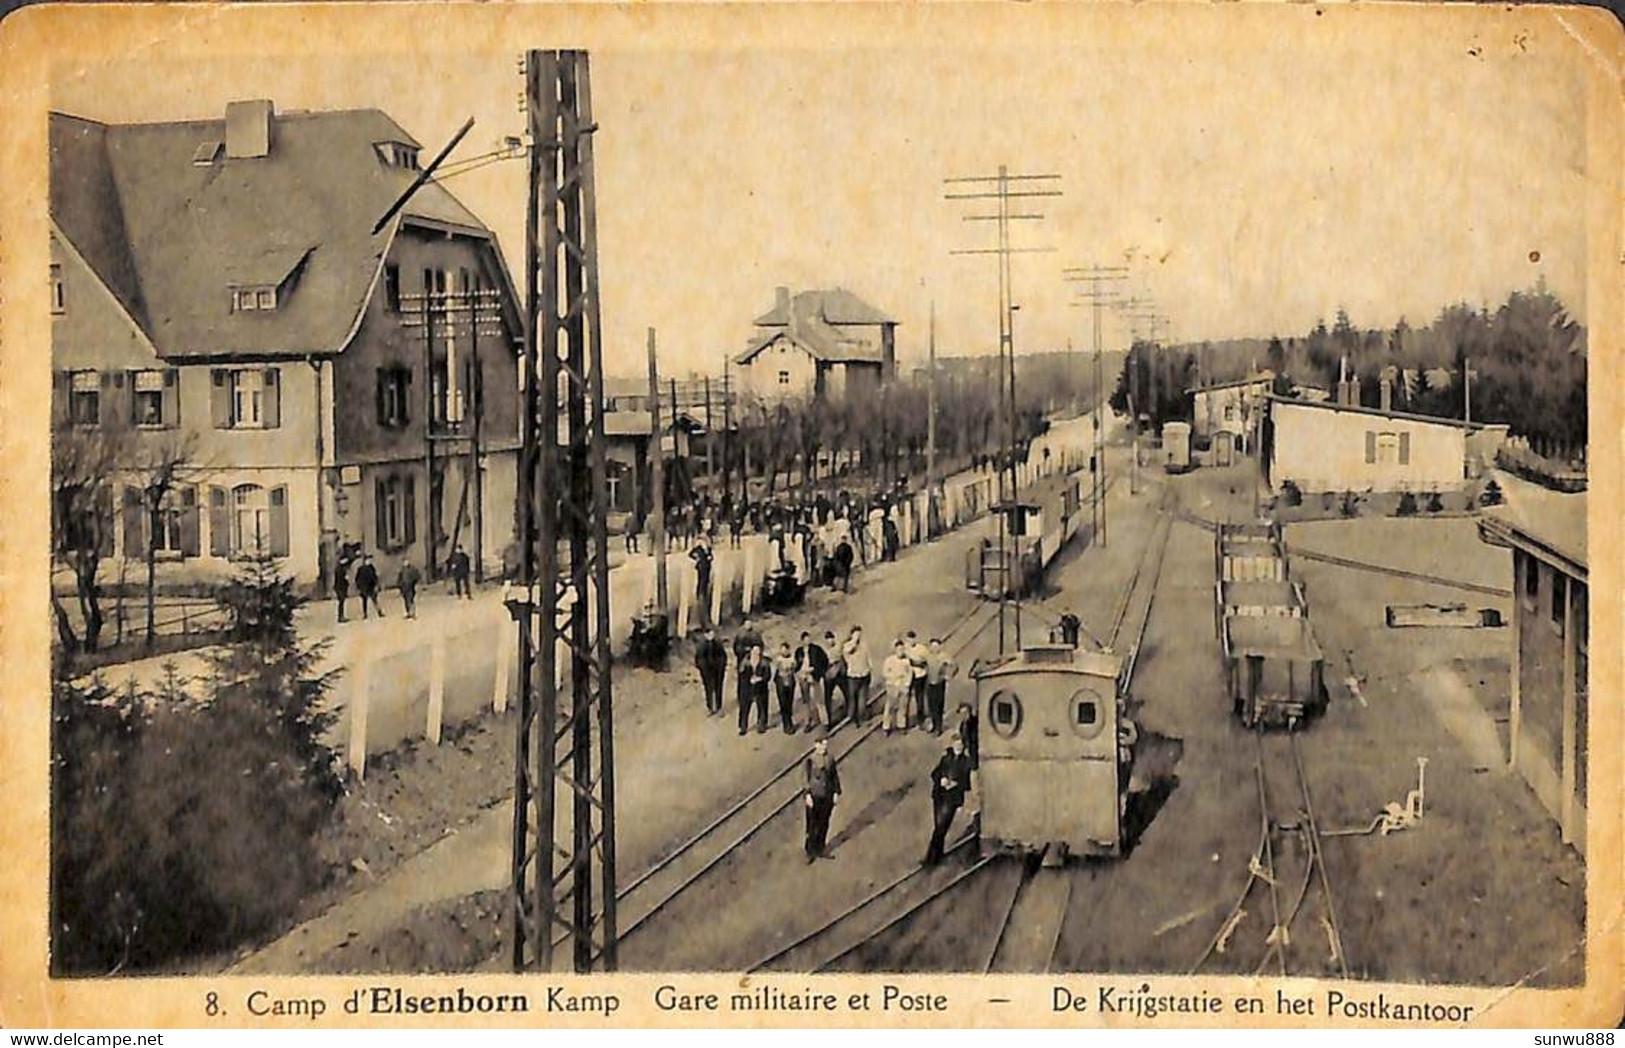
{"points": [[821, 343], [345, 390]]}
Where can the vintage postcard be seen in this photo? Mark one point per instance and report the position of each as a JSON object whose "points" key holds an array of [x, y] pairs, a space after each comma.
{"points": [[875, 515]]}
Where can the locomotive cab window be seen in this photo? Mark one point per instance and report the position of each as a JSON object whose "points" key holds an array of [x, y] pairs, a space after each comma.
{"points": [[1004, 713], [1088, 713]]}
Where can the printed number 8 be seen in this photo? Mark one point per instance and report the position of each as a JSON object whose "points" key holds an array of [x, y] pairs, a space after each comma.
{"points": [[211, 1003]]}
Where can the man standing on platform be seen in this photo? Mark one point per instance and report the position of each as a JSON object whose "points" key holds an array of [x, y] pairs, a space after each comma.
{"points": [[823, 790], [711, 659], [950, 780]]}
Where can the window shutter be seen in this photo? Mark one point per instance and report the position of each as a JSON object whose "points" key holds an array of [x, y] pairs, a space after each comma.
{"points": [[126, 382], [134, 517], [220, 399], [189, 522], [273, 399], [279, 522], [1370, 446], [219, 524], [105, 410], [61, 390], [409, 509], [172, 402], [404, 377], [381, 396], [1404, 449], [381, 505]]}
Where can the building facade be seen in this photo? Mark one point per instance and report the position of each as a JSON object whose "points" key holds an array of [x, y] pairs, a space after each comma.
{"points": [[216, 290], [1231, 409], [811, 344], [1550, 640], [1346, 447]]}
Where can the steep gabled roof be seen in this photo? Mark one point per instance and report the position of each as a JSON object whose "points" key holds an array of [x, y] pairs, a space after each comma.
{"points": [[169, 236], [826, 342], [836, 305], [1407, 416]]}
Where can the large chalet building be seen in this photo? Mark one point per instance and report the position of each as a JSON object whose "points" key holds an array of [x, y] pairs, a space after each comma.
{"points": [[817, 344], [219, 281]]}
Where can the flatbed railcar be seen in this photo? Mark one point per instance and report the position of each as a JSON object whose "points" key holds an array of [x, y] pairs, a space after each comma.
{"points": [[1056, 751], [1257, 597], [1249, 552]]}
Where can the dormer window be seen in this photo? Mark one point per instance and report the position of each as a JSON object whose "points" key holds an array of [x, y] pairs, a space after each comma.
{"points": [[207, 153], [257, 298], [397, 154]]}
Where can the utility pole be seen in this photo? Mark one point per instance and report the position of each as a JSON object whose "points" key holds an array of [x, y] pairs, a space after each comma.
{"points": [[931, 408], [710, 438], [657, 481], [998, 187], [727, 427], [1097, 295], [563, 498]]}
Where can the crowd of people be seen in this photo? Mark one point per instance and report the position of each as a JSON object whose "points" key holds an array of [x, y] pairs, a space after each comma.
{"points": [[822, 682]]}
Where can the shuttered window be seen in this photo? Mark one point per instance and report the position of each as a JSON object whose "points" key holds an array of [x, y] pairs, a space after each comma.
{"points": [[245, 398], [1404, 449], [155, 398], [1371, 447]]}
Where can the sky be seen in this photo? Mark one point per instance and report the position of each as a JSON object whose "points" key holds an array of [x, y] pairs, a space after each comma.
{"points": [[1252, 190]]}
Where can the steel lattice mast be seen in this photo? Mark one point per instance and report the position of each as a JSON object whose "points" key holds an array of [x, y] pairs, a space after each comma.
{"points": [[563, 854]]}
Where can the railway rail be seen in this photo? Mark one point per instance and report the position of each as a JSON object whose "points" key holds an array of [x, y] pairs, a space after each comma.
{"points": [[1287, 869], [1033, 908], [681, 869]]}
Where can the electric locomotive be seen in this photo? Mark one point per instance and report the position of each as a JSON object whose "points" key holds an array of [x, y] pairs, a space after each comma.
{"points": [[1056, 750]]}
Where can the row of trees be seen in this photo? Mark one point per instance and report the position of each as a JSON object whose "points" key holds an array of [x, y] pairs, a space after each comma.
{"points": [[1527, 358], [885, 430]]}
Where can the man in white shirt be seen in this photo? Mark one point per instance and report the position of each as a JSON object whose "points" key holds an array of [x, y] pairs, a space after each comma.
{"points": [[898, 675]]}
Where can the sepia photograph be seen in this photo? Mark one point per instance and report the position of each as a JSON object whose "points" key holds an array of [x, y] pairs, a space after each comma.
{"points": [[1072, 491]]}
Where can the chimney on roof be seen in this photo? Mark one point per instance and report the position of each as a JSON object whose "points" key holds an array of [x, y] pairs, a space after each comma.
{"points": [[781, 302], [1354, 391], [248, 129], [1387, 393]]}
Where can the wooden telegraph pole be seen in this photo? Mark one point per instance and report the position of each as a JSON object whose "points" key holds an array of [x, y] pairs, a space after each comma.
{"points": [[998, 187], [1097, 295], [657, 482]]}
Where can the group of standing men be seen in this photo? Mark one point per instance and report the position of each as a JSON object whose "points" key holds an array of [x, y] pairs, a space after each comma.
{"points": [[807, 680]]}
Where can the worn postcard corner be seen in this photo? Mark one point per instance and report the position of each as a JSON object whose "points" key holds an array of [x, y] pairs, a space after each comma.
{"points": [[805, 515]]}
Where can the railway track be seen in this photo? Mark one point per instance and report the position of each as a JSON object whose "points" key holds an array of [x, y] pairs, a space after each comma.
{"points": [[681, 869], [1030, 902], [1285, 918]]}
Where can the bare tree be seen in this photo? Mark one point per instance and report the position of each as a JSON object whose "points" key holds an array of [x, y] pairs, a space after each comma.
{"points": [[160, 470], [84, 465]]}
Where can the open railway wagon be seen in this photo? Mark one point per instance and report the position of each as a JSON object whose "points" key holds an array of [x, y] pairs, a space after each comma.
{"points": [[1251, 598], [1249, 552], [1034, 534], [1055, 751], [1275, 672]]}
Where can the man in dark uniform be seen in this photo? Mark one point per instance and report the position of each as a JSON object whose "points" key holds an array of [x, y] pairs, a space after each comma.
{"points": [[366, 586], [949, 781], [747, 638], [459, 565], [711, 659], [823, 790], [407, 582], [701, 556], [341, 585], [755, 672]]}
